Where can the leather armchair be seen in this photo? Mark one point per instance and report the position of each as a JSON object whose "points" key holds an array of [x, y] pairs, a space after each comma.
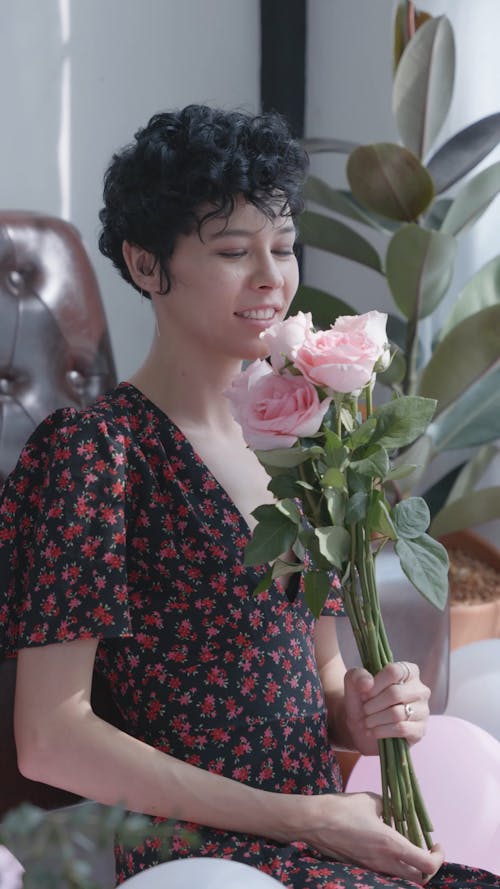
{"points": [[54, 351], [54, 343]]}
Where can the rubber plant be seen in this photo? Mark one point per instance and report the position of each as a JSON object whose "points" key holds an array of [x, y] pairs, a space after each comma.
{"points": [[422, 199]]}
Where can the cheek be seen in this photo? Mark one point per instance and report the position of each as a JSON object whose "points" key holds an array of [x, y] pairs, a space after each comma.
{"points": [[292, 281]]}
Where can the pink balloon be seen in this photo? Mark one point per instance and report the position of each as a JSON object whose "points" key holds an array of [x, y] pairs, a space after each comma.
{"points": [[458, 768]]}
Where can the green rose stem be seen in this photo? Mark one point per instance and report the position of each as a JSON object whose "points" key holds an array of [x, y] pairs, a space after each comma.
{"points": [[401, 798]]}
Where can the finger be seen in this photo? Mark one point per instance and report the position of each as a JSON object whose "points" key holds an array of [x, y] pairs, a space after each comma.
{"points": [[393, 674], [395, 715], [359, 679], [393, 695], [438, 849], [424, 861]]}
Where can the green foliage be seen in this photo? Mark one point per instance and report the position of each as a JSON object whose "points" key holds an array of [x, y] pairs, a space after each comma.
{"points": [[396, 192], [339, 483], [57, 849]]}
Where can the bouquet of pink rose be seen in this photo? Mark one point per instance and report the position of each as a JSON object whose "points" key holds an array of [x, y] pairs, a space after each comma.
{"points": [[309, 417]]}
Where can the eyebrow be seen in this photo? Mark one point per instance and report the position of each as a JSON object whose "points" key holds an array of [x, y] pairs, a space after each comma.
{"points": [[246, 233]]}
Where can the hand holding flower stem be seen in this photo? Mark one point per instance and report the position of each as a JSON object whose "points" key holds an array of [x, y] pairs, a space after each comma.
{"points": [[301, 416]]}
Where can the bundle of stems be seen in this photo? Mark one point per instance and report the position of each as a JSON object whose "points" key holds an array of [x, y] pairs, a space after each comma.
{"points": [[403, 806]]}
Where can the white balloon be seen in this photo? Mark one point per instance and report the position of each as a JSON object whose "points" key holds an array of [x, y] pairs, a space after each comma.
{"points": [[474, 691], [209, 873]]}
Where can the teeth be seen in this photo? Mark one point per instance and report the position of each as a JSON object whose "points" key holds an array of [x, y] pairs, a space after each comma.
{"points": [[259, 314]]}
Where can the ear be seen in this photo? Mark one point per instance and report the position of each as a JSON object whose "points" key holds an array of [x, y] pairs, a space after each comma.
{"points": [[142, 266]]}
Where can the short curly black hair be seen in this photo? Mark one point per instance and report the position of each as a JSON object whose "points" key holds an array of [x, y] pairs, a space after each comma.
{"points": [[194, 158]]}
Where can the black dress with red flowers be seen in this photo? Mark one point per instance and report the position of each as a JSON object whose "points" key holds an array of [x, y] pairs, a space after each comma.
{"points": [[111, 527]]}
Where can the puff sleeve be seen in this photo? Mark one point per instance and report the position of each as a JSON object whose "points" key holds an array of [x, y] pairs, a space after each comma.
{"points": [[63, 569]]}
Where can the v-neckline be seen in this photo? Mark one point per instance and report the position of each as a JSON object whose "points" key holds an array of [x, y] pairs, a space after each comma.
{"points": [[291, 588], [164, 417]]}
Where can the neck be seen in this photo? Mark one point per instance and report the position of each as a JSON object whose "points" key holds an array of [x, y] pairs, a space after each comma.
{"points": [[188, 388]]}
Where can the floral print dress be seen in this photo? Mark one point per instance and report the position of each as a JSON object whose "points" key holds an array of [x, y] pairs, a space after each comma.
{"points": [[111, 527]]}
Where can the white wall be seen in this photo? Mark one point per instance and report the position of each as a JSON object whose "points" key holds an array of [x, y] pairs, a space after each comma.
{"points": [[349, 82], [80, 76]]}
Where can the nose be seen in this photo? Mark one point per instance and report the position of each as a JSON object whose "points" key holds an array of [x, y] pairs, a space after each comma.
{"points": [[267, 274]]}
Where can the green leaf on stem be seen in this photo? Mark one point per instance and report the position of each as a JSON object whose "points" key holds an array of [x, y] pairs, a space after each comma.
{"points": [[334, 544], [273, 535], [472, 200], [333, 478], [390, 180], [425, 563], [332, 442], [335, 504], [480, 292], [362, 434], [283, 486], [326, 233], [423, 84], [464, 151], [374, 465], [411, 517], [342, 202], [402, 471], [289, 509], [401, 421], [264, 583], [356, 507], [379, 518], [316, 590], [283, 569], [287, 457], [419, 267], [475, 508]]}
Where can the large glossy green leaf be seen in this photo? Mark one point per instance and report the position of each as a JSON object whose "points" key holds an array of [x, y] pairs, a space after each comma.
{"points": [[474, 509], [434, 218], [473, 418], [472, 200], [390, 180], [419, 269], [336, 146], [463, 152], [323, 307], [481, 291], [403, 23], [328, 234], [469, 352], [341, 201], [472, 472], [423, 85]]}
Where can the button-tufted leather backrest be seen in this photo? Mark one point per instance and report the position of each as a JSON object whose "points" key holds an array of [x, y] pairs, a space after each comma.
{"points": [[54, 343]]}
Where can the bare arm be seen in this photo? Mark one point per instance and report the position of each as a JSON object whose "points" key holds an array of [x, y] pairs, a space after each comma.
{"points": [[61, 741]]}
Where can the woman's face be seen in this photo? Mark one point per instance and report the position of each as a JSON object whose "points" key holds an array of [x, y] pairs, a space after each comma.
{"points": [[231, 283]]}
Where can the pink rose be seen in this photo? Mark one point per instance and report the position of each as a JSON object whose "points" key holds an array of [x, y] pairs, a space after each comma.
{"points": [[343, 358], [274, 410], [372, 325], [284, 337]]}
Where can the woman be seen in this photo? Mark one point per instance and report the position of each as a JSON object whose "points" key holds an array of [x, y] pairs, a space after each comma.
{"points": [[132, 517]]}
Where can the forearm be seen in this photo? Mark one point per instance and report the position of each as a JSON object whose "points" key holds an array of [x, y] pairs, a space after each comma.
{"points": [[89, 757]]}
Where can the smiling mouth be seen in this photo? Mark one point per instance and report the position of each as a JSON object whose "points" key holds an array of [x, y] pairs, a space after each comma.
{"points": [[258, 314]]}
